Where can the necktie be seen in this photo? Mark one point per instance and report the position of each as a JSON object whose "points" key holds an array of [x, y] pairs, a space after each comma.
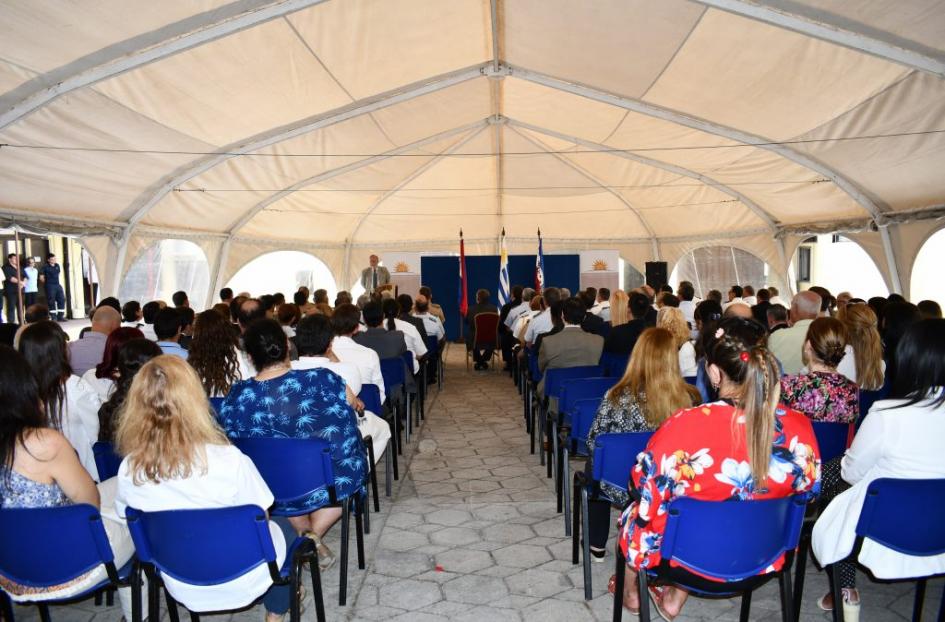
{"points": [[374, 286]]}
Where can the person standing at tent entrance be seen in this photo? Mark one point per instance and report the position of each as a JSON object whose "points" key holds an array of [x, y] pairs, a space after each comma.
{"points": [[12, 284], [374, 276], [31, 285], [55, 297]]}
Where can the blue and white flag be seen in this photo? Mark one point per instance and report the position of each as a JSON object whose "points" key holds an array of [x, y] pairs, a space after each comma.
{"points": [[539, 267], [503, 271]]}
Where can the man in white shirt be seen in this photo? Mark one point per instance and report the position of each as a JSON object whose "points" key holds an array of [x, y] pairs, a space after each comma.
{"points": [[414, 340], [734, 295], [432, 323], [602, 308], [787, 344], [521, 309], [749, 296], [688, 302], [541, 323], [775, 298], [346, 322]]}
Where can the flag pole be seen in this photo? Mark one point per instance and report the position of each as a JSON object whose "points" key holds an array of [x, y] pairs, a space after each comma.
{"points": [[462, 268]]}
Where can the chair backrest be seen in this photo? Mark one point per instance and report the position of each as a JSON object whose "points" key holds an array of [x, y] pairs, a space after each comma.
{"points": [[555, 378], [889, 500], [371, 396], [582, 414], [868, 398], [615, 455], [762, 531], [203, 547], [298, 471], [408, 361], [832, 439], [43, 547], [394, 373], [533, 371], [693, 380], [433, 346], [487, 328], [106, 460], [581, 389], [613, 364]]}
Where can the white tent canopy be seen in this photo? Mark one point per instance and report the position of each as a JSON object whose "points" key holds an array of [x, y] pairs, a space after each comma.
{"points": [[343, 127]]}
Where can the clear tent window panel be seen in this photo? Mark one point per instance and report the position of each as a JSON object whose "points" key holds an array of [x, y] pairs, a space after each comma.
{"points": [[167, 267]]}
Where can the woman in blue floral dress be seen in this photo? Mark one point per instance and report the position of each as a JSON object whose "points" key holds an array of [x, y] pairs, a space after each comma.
{"points": [[284, 403]]}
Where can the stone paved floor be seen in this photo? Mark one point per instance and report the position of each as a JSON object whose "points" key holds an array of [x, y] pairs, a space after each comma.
{"points": [[472, 534]]}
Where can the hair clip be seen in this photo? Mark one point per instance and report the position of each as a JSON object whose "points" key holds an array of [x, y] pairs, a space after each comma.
{"points": [[744, 356], [720, 333]]}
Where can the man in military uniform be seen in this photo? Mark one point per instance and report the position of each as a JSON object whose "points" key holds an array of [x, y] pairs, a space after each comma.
{"points": [[55, 297]]}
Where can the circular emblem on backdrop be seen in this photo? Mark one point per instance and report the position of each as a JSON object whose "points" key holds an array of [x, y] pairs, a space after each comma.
{"points": [[401, 267], [600, 264]]}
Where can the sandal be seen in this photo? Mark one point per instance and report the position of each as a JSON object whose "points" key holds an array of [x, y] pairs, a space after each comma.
{"points": [[612, 587], [325, 557], [656, 595]]}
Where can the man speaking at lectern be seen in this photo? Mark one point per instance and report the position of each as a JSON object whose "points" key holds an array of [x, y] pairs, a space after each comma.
{"points": [[374, 276]]}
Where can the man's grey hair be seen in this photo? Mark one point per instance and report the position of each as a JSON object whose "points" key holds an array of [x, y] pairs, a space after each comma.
{"points": [[527, 294]]}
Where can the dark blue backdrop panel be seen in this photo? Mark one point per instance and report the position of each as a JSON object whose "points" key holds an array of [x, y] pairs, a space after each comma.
{"points": [[441, 274]]}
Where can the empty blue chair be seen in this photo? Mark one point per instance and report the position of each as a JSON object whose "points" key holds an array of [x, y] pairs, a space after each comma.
{"points": [[45, 547], [615, 455], [214, 546], [534, 376], [613, 364], [106, 460], [571, 392], [300, 474], [554, 380], [370, 396], [436, 355], [418, 391], [887, 501], [583, 413], [395, 386], [767, 529], [832, 439]]}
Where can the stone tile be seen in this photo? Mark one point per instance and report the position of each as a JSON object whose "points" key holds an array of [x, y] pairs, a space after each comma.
{"points": [[540, 583], [409, 594], [464, 560], [450, 518], [509, 534], [475, 589], [521, 555], [454, 536], [552, 610], [401, 563]]}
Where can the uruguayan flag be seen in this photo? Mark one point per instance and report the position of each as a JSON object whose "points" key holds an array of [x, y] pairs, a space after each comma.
{"points": [[503, 271]]}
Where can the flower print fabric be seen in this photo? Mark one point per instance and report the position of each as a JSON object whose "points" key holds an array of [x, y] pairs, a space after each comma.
{"points": [[300, 404], [694, 454], [822, 396], [624, 415]]}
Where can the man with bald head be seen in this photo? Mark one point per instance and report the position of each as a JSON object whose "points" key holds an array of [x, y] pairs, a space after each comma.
{"points": [[88, 351], [738, 309], [788, 343]]}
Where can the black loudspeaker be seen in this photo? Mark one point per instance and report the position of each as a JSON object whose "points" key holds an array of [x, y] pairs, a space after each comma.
{"points": [[656, 275]]}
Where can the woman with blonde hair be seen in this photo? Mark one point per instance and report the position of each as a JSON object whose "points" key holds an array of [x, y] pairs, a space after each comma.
{"points": [[176, 458], [863, 356], [744, 446], [650, 390], [673, 320], [619, 308]]}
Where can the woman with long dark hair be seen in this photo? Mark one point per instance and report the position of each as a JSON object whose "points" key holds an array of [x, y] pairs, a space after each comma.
{"points": [[744, 446], [214, 354], [900, 438], [131, 357], [70, 407], [103, 376]]}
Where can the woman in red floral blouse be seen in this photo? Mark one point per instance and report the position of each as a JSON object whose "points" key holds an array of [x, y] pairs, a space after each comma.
{"points": [[696, 454]]}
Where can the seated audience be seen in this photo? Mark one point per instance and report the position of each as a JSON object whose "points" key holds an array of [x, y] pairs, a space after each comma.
{"points": [[572, 347], [226, 295], [129, 358], [777, 318], [715, 295], [748, 296], [622, 337], [738, 309], [535, 307], [775, 298], [863, 356], [788, 344], [167, 329], [102, 377], [728, 453], [897, 318], [214, 354], [930, 310], [843, 298], [131, 315], [687, 303], [602, 306], [433, 325], [672, 320], [180, 299], [541, 323], [342, 298], [70, 407], [412, 337], [178, 458], [87, 352], [346, 323], [827, 301], [289, 316], [759, 310], [316, 408], [650, 390], [435, 309], [39, 469], [481, 355], [187, 319], [148, 312], [406, 307], [900, 438], [34, 313], [619, 308]]}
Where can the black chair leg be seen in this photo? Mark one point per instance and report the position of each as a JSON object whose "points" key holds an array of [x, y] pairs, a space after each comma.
{"points": [[6, 607], [620, 571], [110, 597], [317, 594], [800, 570], [787, 596], [137, 615], [295, 605], [390, 468], [746, 607], [343, 566], [919, 600], [644, 596], [837, 593], [359, 511], [377, 501], [586, 543], [171, 606], [576, 522], [154, 596], [98, 598], [566, 491], [194, 617]]}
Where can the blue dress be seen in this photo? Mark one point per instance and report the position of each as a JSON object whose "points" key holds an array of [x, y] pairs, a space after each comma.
{"points": [[301, 404]]}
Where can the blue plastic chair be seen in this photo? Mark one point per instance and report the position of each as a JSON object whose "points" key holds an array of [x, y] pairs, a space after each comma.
{"points": [[572, 391], [613, 364], [868, 398], [213, 546], [395, 384], [554, 380], [370, 396], [435, 352], [583, 413], [45, 547], [887, 502], [300, 474], [412, 405], [615, 455], [832, 439], [534, 376], [106, 460], [767, 529]]}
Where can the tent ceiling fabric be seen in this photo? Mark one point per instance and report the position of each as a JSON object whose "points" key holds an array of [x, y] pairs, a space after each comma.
{"points": [[372, 123]]}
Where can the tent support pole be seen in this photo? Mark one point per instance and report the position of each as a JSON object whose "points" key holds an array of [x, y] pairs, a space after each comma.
{"points": [[216, 283], [120, 260], [895, 281]]}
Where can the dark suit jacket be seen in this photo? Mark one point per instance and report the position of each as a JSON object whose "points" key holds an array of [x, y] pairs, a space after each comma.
{"points": [[572, 347], [417, 323], [594, 324], [471, 314], [760, 312], [621, 339], [387, 343]]}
